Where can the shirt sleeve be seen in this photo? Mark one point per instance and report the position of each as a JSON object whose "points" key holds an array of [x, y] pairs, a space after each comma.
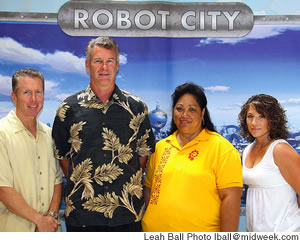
{"points": [[59, 173], [146, 138], [150, 171], [61, 133], [229, 170], [6, 176]]}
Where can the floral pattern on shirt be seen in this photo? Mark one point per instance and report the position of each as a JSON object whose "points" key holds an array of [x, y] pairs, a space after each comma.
{"points": [[158, 176], [193, 154], [89, 173]]}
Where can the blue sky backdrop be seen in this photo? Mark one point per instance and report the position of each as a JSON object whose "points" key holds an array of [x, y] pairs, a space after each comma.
{"points": [[231, 70]]}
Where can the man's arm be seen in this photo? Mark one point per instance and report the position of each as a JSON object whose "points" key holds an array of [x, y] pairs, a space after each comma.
{"points": [[15, 203], [55, 202], [64, 164], [56, 198], [147, 193], [143, 162]]}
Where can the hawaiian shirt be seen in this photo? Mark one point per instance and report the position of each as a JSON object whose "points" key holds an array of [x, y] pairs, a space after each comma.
{"points": [[103, 143]]}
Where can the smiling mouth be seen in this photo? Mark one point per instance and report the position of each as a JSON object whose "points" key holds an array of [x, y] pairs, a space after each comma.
{"points": [[104, 76], [184, 121], [104, 73]]}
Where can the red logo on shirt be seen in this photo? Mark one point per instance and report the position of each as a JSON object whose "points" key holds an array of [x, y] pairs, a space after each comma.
{"points": [[193, 154]]}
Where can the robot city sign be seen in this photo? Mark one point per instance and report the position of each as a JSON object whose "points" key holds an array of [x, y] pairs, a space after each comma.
{"points": [[155, 19]]}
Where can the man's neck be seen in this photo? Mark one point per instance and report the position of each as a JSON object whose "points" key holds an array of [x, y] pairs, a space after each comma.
{"points": [[103, 93], [29, 123]]}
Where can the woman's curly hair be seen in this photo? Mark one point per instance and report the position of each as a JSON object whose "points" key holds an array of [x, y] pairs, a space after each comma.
{"points": [[271, 109]]}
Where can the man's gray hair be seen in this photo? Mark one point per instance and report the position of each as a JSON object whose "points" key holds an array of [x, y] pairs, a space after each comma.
{"points": [[26, 72], [104, 42]]}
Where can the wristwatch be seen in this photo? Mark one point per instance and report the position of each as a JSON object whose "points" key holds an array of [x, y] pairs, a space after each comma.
{"points": [[53, 214]]}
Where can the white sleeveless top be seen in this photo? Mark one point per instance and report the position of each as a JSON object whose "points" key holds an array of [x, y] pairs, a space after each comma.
{"points": [[271, 203]]}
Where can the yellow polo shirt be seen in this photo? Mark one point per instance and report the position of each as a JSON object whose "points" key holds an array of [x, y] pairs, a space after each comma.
{"points": [[27, 164], [184, 183]]}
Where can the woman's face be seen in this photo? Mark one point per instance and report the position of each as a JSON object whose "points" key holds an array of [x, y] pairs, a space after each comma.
{"points": [[258, 124], [188, 115]]}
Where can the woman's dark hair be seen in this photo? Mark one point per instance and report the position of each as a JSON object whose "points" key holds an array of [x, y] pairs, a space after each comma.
{"points": [[198, 93], [271, 109]]}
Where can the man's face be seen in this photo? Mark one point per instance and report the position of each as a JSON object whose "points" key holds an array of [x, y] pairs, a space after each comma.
{"points": [[29, 98], [103, 67]]}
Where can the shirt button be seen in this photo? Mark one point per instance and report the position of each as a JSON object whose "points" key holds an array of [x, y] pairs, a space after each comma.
{"points": [[105, 155], [39, 157], [40, 173], [42, 188], [43, 204]]}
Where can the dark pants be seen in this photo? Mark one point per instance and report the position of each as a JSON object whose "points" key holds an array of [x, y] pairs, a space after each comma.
{"points": [[133, 227]]}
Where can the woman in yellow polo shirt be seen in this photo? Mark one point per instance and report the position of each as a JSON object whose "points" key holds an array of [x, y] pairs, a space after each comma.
{"points": [[194, 178]]}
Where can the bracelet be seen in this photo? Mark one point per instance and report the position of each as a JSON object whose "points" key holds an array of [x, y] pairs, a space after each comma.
{"points": [[52, 214]]}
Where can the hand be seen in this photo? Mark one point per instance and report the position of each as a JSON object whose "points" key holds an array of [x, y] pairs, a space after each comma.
{"points": [[47, 224]]}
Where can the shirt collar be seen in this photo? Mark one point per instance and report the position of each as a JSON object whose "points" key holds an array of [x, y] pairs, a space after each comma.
{"points": [[202, 136], [89, 95], [18, 125]]}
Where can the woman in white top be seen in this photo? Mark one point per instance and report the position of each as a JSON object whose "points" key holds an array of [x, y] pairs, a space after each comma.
{"points": [[271, 167]]}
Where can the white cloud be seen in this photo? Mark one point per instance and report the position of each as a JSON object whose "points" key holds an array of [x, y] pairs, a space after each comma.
{"points": [[66, 62], [13, 51], [291, 101], [63, 96], [217, 88], [5, 107], [5, 85], [258, 32], [50, 87], [123, 58]]}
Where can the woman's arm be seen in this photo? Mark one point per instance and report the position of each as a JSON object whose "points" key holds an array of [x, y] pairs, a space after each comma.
{"points": [[288, 161], [230, 208]]}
